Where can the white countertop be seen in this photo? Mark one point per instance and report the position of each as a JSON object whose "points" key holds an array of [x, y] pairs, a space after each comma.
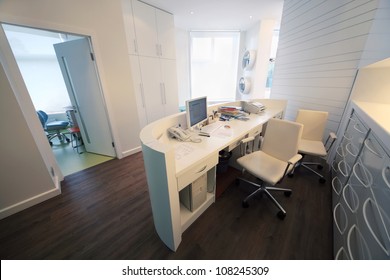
{"points": [[377, 117]]}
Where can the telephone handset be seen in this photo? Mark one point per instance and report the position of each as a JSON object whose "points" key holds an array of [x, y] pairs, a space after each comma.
{"points": [[179, 133]]}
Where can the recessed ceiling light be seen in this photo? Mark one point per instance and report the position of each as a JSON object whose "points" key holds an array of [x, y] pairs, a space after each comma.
{"points": [[192, 13], [250, 17]]}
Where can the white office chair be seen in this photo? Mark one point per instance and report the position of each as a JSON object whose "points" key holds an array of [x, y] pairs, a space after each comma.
{"points": [[314, 123], [277, 157]]}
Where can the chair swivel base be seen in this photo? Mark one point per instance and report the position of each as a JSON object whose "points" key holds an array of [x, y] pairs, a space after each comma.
{"points": [[261, 188], [305, 165], [319, 166], [61, 136]]}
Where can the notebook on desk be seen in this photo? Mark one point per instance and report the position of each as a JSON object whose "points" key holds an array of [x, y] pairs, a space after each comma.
{"points": [[210, 128]]}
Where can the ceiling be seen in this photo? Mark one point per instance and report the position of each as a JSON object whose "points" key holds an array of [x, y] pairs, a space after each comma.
{"points": [[219, 14]]}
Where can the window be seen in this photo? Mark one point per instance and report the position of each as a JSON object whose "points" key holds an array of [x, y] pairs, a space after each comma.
{"points": [[214, 61]]}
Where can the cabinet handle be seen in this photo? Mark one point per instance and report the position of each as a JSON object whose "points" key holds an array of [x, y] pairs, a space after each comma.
{"points": [[370, 204], [384, 170], [367, 181], [352, 149], [343, 163], [135, 46], [161, 50], [371, 149], [162, 93], [357, 127], [165, 96], [142, 94], [157, 50], [202, 169]]}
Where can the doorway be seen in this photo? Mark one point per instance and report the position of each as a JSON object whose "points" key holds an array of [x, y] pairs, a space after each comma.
{"points": [[55, 90]]}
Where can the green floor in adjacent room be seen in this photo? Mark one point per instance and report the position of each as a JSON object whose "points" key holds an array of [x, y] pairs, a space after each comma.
{"points": [[70, 161]]}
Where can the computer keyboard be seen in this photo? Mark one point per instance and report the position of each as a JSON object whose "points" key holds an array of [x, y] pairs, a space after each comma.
{"points": [[210, 128]]}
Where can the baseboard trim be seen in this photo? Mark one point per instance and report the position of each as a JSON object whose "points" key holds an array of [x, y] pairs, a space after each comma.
{"points": [[17, 207], [131, 152]]}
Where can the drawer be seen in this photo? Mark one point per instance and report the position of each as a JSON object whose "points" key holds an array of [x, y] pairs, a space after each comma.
{"points": [[196, 171], [256, 131], [235, 144]]}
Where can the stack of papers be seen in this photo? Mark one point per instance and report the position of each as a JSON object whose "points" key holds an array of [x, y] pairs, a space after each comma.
{"points": [[232, 112]]}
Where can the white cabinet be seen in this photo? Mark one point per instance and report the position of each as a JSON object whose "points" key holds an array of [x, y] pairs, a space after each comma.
{"points": [[151, 44], [169, 86], [155, 31], [166, 34], [361, 188], [129, 27], [138, 89], [158, 88]]}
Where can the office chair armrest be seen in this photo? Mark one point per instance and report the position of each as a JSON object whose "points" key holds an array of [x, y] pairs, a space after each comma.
{"points": [[332, 136], [248, 139], [292, 161], [295, 159]]}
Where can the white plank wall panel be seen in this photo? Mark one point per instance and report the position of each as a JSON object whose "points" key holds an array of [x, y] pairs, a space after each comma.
{"points": [[320, 47], [378, 42]]}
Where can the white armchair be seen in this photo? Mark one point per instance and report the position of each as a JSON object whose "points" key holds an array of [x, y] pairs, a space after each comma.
{"points": [[314, 123], [277, 157]]}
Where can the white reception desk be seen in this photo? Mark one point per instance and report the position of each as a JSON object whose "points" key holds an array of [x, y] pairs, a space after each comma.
{"points": [[171, 165]]}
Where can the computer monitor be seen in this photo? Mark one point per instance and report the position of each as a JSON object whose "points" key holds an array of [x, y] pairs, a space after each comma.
{"points": [[196, 110]]}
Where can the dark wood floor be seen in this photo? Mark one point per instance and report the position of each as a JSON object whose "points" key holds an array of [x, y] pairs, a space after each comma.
{"points": [[104, 213]]}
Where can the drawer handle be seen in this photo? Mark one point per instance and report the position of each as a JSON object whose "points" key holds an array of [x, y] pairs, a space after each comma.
{"points": [[371, 149], [357, 127], [384, 170], [340, 151], [370, 204], [347, 136], [202, 169], [344, 164], [367, 181], [352, 149]]}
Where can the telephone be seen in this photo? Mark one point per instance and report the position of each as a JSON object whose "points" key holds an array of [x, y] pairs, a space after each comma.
{"points": [[179, 133]]}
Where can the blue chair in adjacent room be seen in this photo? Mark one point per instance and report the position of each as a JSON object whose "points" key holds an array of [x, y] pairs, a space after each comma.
{"points": [[53, 128]]}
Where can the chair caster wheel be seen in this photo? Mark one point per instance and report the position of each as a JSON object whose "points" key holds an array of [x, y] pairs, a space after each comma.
{"points": [[288, 193], [51, 143], [290, 175], [68, 140], [322, 180], [237, 182], [245, 204], [319, 167], [281, 215]]}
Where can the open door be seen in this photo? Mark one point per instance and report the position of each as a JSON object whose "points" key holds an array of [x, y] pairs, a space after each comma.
{"points": [[80, 75]]}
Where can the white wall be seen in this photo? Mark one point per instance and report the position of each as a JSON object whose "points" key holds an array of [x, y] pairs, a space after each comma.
{"points": [[183, 65], [321, 44], [24, 177], [258, 38], [377, 45]]}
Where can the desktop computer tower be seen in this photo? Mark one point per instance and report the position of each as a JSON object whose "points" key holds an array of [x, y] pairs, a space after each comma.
{"points": [[195, 193]]}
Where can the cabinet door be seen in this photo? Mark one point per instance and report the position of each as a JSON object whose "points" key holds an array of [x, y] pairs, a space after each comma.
{"points": [[138, 89], [145, 29], [170, 91], [166, 34], [129, 27], [153, 96]]}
